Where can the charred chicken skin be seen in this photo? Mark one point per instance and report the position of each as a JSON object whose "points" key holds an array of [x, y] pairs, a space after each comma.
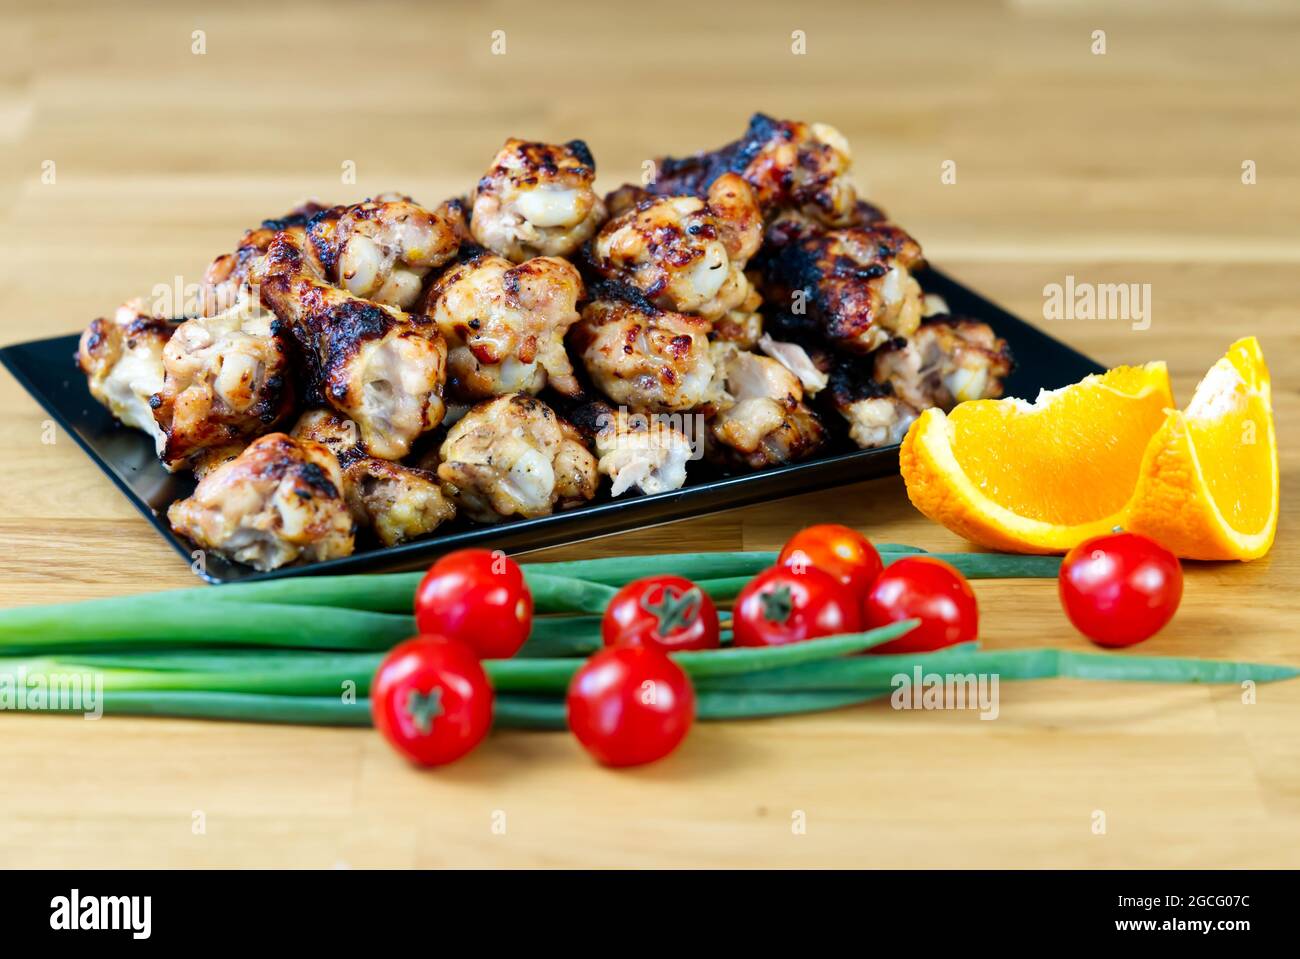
{"points": [[852, 287], [875, 415], [229, 273], [381, 250], [537, 200], [686, 253], [642, 357], [505, 324], [791, 166], [227, 379], [122, 358], [399, 503], [382, 368], [278, 502], [513, 456], [763, 420]]}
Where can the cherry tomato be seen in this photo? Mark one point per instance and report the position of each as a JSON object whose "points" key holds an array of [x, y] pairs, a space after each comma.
{"points": [[928, 589], [630, 705], [670, 612], [1121, 588], [431, 699], [782, 605], [843, 552], [478, 597]]}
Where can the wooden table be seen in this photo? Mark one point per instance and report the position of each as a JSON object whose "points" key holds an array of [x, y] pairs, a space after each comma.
{"points": [[1119, 167]]}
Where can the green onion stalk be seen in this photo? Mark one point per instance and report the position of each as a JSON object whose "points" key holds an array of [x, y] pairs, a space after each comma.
{"points": [[330, 689], [372, 612], [304, 650]]}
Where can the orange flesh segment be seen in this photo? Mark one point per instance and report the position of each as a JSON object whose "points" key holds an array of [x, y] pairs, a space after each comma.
{"points": [[1072, 457], [1227, 423]]}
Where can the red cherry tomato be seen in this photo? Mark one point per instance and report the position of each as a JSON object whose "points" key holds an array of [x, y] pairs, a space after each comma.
{"points": [[843, 552], [670, 612], [630, 705], [928, 589], [478, 597], [431, 699], [781, 605], [1121, 588]]}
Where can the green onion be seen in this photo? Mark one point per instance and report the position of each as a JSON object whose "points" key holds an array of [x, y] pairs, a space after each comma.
{"points": [[554, 637], [536, 712], [305, 673], [371, 612], [971, 565], [999, 565], [565, 594], [808, 687], [190, 620], [292, 650], [717, 705], [554, 675], [744, 659], [511, 712], [723, 589], [711, 567], [529, 712], [324, 674], [209, 617], [382, 593], [873, 672], [242, 707], [377, 592]]}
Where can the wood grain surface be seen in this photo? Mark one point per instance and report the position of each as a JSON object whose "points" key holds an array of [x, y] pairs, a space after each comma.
{"points": [[1117, 167]]}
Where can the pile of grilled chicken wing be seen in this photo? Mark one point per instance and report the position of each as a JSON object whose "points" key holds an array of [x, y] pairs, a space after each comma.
{"points": [[374, 370]]}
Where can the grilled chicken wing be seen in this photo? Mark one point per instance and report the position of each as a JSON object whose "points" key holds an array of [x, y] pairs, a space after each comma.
{"points": [[375, 364], [853, 287], [207, 460], [513, 456], [336, 433], [876, 417], [740, 326], [685, 253], [278, 502], [797, 360], [227, 379], [537, 200], [229, 273], [946, 361], [763, 421], [400, 503], [122, 358], [879, 421], [381, 250], [642, 357], [790, 165], [506, 324], [642, 452]]}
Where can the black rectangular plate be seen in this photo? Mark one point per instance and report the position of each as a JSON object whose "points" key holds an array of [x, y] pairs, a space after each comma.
{"points": [[45, 368]]}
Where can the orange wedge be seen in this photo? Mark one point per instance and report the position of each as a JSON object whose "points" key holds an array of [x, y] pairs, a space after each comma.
{"points": [[1208, 486], [1037, 477]]}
